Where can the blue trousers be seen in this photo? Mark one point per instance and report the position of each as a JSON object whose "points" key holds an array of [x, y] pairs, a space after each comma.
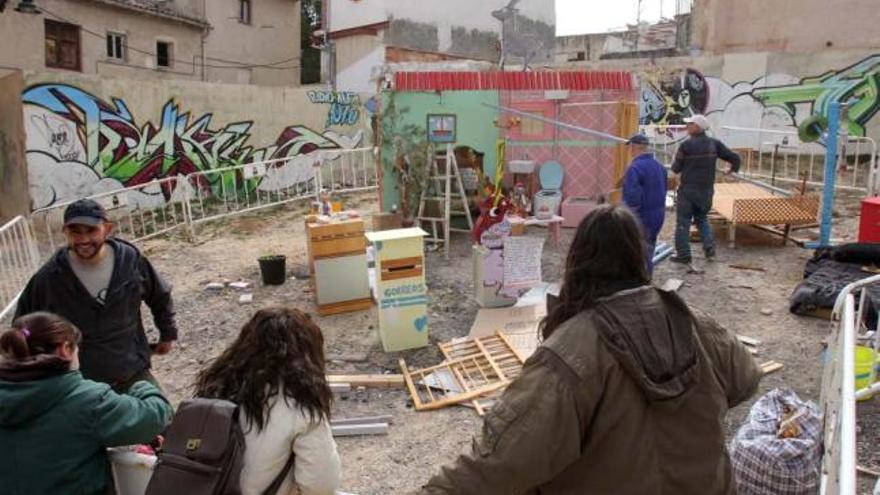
{"points": [[652, 222], [693, 207]]}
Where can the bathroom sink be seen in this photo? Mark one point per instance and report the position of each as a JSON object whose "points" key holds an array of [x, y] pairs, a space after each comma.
{"points": [[521, 166]]}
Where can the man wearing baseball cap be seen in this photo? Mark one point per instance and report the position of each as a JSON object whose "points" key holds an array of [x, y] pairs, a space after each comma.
{"points": [[644, 192], [98, 283], [695, 161]]}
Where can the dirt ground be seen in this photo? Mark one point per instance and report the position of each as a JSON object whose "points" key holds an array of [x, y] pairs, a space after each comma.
{"points": [[753, 303]]}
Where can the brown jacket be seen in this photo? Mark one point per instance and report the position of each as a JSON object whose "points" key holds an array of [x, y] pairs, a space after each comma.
{"points": [[628, 397]]}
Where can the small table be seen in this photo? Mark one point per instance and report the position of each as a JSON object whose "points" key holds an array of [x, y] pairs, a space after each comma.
{"points": [[554, 225]]}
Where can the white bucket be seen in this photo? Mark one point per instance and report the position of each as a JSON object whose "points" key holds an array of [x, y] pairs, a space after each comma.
{"points": [[131, 471]]}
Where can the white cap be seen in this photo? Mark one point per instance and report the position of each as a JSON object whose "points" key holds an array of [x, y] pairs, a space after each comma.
{"points": [[701, 121]]}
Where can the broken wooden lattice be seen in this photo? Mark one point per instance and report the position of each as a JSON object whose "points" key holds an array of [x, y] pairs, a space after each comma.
{"points": [[476, 370]]}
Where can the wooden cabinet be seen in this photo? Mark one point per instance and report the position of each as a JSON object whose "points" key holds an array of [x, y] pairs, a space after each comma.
{"points": [[401, 293], [338, 263]]}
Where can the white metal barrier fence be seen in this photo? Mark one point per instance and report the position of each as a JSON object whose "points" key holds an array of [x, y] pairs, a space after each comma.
{"points": [[161, 206], [839, 394], [139, 212], [778, 155], [19, 259]]}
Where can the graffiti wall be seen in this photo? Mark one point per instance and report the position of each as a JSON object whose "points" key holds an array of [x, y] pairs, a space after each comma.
{"points": [[776, 100], [85, 141]]}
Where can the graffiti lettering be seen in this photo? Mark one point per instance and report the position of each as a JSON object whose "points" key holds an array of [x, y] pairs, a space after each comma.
{"points": [[343, 106], [73, 129], [858, 85], [670, 98]]}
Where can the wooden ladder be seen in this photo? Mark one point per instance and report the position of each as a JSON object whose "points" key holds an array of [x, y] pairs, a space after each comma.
{"points": [[438, 189]]}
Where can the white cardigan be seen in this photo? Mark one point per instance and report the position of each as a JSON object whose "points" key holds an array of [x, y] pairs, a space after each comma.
{"points": [[316, 468]]}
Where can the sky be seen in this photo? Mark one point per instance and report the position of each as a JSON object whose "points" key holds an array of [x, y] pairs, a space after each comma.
{"points": [[597, 16]]}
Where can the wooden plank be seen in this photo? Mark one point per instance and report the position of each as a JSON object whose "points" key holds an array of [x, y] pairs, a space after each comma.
{"points": [[385, 418], [357, 430], [345, 306], [749, 340], [377, 381], [771, 367]]}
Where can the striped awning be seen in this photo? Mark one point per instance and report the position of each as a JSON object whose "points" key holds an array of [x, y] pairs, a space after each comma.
{"points": [[514, 81]]}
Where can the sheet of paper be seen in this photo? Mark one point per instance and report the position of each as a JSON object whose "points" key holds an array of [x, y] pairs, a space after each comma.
{"points": [[522, 261], [516, 319]]}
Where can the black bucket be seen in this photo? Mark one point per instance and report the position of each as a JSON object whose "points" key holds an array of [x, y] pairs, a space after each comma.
{"points": [[273, 269]]}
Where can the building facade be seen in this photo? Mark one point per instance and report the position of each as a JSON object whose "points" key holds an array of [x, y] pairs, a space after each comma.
{"points": [[229, 41], [366, 34]]}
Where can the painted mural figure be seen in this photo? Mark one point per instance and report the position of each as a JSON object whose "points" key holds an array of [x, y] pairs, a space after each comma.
{"points": [[98, 283]]}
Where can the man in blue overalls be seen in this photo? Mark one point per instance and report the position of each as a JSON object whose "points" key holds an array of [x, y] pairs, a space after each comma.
{"points": [[644, 191]]}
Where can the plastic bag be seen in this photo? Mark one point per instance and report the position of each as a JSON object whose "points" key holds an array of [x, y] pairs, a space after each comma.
{"points": [[778, 451]]}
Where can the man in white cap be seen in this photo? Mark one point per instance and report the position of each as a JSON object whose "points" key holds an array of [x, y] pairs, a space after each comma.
{"points": [[695, 161]]}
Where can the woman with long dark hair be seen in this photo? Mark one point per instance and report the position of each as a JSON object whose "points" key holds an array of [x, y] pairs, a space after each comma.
{"points": [[275, 372], [626, 395], [56, 426]]}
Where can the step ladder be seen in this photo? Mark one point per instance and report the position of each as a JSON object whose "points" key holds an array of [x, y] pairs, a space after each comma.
{"points": [[443, 187]]}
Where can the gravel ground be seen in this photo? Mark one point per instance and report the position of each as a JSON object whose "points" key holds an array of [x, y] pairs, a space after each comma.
{"points": [[753, 303]]}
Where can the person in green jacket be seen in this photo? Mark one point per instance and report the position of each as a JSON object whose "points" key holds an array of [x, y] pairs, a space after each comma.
{"points": [[56, 426]]}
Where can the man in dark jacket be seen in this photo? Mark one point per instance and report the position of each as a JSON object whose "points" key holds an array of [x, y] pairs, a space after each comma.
{"points": [[644, 192], [98, 284], [695, 161]]}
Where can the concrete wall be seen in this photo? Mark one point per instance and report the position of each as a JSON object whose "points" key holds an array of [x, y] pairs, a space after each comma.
{"points": [[357, 59], [14, 198], [22, 40], [460, 28], [88, 134], [792, 26], [272, 37], [757, 90]]}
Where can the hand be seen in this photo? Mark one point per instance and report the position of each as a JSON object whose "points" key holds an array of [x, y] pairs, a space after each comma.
{"points": [[163, 347]]}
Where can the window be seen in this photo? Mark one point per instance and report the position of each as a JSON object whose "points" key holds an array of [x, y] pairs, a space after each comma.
{"points": [[116, 46], [164, 53], [244, 11], [62, 45]]}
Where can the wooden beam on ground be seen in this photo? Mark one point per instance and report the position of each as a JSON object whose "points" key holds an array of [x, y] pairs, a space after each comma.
{"points": [[749, 340], [870, 472], [797, 240], [385, 418], [357, 430], [749, 268], [375, 381], [771, 367]]}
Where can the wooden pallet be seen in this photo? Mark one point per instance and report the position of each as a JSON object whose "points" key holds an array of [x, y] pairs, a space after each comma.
{"points": [[486, 363]]}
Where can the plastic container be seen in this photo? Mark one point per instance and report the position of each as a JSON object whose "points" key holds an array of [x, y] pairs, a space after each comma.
{"points": [[865, 359], [131, 471], [273, 269]]}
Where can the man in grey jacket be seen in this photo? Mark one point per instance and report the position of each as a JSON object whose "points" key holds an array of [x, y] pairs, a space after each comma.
{"points": [[98, 283], [695, 161]]}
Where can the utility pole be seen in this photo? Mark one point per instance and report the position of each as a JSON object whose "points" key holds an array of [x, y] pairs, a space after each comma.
{"points": [[638, 22]]}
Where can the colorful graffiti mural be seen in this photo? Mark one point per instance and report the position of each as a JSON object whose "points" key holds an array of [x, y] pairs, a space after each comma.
{"points": [[669, 98], [79, 144], [344, 106], [858, 85], [775, 101]]}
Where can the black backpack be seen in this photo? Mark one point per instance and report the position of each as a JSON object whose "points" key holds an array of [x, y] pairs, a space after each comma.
{"points": [[203, 452]]}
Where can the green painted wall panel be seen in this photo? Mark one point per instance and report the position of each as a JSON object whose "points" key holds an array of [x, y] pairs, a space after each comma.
{"points": [[475, 127]]}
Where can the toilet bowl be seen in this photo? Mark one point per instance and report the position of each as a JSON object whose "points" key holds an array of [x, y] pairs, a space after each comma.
{"points": [[550, 195]]}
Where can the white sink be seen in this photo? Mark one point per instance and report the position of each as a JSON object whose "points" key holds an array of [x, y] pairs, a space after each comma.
{"points": [[521, 166]]}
